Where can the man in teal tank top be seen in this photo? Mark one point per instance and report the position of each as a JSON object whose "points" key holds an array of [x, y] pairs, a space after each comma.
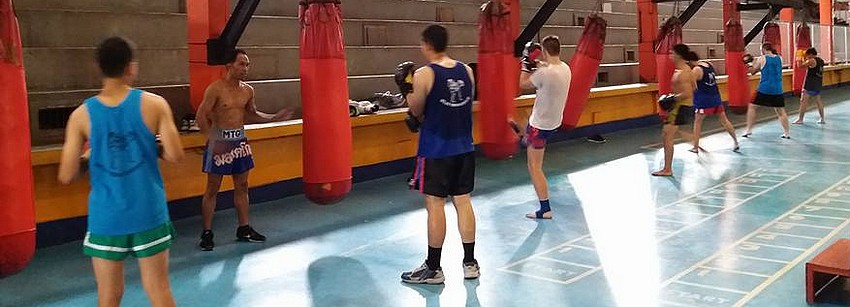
{"points": [[770, 92], [128, 214]]}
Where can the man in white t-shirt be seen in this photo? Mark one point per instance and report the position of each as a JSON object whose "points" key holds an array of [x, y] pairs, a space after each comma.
{"points": [[542, 69]]}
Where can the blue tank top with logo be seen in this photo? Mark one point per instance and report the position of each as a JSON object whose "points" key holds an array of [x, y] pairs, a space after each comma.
{"points": [[707, 95], [447, 127], [127, 193], [771, 76]]}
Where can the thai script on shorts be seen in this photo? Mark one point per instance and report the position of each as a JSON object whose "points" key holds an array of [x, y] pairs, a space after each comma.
{"points": [[242, 151]]}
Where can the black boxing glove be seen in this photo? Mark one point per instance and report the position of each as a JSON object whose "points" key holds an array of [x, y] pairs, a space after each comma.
{"points": [[529, 56], [404, 77], [667, 101], [748, 59], [412, 122]]}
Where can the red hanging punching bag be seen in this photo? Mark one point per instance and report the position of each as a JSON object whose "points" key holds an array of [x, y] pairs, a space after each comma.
{"points": [[17, 199], [738, 86], [497, 86], [804, 42], [585, 62], [773, 36], [669, 35], [326, 140]]}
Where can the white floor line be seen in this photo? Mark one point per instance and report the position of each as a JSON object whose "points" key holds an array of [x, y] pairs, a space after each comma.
{"points": [[733, 271], [821, 216], [755, 258], [586, 266], [790, 235], [775, 246], [710, 287], [804, 225]]}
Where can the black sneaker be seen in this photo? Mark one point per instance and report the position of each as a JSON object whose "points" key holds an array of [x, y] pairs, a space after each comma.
{"points": [[248, 234], [424, 275], [598, 139], [206, 243]]}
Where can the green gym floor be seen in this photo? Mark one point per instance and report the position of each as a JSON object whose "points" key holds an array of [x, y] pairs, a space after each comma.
{"points": [[730, 229]]}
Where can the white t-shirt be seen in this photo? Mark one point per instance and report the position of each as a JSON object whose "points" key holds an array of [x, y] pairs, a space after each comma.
{"points": [[553, 84]]}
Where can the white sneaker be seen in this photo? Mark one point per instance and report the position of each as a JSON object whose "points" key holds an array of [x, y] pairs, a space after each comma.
{"points": [[821, 122], [471, 270]]}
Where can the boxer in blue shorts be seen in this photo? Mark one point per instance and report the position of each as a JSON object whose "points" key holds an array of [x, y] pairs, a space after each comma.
{"points": [[228, 104], [813, 85], [551, 78]]}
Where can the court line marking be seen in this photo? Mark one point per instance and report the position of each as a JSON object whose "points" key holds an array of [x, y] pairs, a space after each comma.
{"points": [[744, 201], [775, 246], [665, 302], [724, 197], [732, 254], [821, 216], [567, 262], [583, 275], [738, 156], [685, 212], [805, 225], [666, 234], [734, 191], [697, 205], [710, 287], [752, 185], [837, 200], [733, 271], [734, 245], [802, 256], [536, 277], [583, 247], [829, 207], [565, 244], [671, 221], [790, 235]]}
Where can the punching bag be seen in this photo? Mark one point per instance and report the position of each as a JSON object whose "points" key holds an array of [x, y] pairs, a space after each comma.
{"points": [[804, 42], [17, 199], [669, 35], [584, 63], [738, 86], [497, 84], [327, 147], [773, 36]]}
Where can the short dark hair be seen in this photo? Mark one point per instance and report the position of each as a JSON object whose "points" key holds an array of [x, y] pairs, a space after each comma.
{"points": [[235, 54], [811, 51], [437, 37], [769, 47], [685, 52], [114, 54], [552, 44]]}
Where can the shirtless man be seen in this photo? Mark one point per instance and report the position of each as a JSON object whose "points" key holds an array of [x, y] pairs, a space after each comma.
{"points": [[682, 113], [228, 104]]}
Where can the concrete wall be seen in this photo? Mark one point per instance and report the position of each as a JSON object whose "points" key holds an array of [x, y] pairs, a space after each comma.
{"points": [[59, 38]]}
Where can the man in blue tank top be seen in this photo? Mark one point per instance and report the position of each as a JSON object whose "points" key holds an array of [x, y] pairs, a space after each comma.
{"points": [[813, 84], [128, 214], [441, 97], [770, 92]]}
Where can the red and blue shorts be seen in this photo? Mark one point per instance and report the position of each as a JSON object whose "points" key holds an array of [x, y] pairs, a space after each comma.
{"points": [[537, 138], [228, 153], [710, 110]]}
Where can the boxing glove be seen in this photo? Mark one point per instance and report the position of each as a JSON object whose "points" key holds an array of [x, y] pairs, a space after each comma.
{"points": [[748, 59], [412, 122], [667, 101], [404, 77], [529, 56]]}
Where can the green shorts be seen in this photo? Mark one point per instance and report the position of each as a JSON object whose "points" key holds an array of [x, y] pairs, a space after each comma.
{"points": [[142, 244]]}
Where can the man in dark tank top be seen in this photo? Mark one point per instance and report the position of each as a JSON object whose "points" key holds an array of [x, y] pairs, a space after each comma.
{"points": [[813, 85]]}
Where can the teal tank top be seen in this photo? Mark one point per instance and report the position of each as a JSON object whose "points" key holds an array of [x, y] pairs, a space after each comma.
{"points": [[771, 76], [127, 193]]}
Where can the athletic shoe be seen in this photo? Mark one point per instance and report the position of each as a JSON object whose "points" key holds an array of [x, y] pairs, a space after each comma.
{"points": [[471, 270], [248, 234], [785, 136], [206, 243], [747, 135], [821, 122], [598, 139], [424, 275]]}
